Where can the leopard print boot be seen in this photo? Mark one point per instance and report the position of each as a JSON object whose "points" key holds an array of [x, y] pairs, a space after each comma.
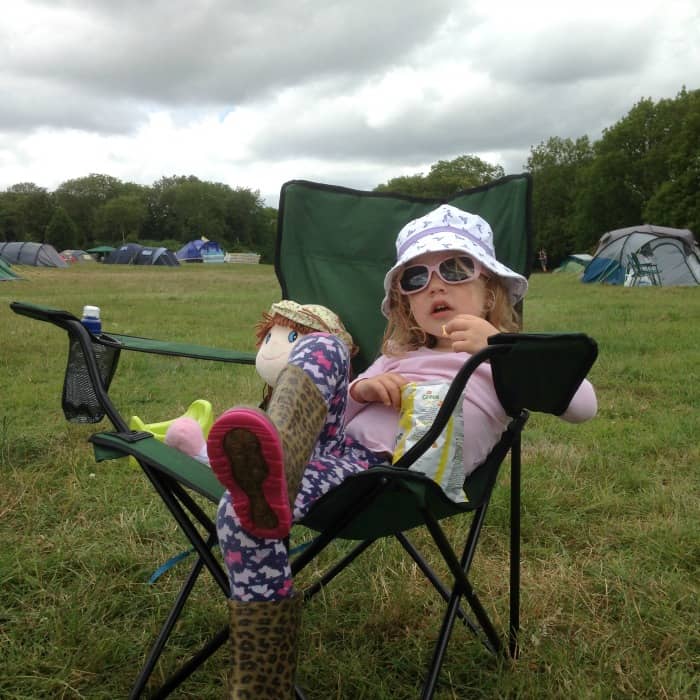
{"points": [[263, 638], [298, 411]]}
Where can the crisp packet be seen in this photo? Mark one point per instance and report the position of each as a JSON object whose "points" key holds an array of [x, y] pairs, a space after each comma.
{"points": [[442, 462]]}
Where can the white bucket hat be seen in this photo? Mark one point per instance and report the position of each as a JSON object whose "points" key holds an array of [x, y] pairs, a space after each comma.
{"points": [[448, 228]]}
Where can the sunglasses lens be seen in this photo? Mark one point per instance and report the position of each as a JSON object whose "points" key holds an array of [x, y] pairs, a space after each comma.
{"points": [[414, 278], [452, 271], [457, 269]]}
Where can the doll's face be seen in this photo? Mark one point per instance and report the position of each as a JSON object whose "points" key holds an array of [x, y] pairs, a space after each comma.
{"points": [[274, 351]]}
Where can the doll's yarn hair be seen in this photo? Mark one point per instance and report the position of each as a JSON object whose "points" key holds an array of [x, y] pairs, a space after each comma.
{"points": [[268, 320]]}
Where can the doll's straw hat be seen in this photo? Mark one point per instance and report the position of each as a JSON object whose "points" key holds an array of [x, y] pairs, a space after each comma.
{"points": [[316, 318]]}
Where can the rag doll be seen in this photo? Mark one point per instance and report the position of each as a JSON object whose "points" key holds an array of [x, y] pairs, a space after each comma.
{"points": [[276, 333]]}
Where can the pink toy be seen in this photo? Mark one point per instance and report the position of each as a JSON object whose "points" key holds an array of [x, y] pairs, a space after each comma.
{"points": [[185, 434]]}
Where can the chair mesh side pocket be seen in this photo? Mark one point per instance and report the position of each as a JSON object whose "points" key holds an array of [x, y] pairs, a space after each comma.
{"points": [[80, 402]]}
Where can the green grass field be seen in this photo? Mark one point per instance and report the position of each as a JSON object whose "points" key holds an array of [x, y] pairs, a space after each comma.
{"points": [[611, 533]]}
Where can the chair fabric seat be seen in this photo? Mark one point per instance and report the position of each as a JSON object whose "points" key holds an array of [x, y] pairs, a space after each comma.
{"points": [[396, 507]]}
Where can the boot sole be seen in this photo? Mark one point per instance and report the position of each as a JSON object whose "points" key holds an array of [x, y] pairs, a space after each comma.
{"points": [[246, 456]]}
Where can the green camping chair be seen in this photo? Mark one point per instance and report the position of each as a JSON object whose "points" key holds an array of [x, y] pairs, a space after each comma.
{"points": [[333, 247], [643, 272]]}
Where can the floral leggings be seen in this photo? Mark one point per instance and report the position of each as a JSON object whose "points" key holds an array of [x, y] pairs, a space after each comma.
{"points": [[259, 568]]}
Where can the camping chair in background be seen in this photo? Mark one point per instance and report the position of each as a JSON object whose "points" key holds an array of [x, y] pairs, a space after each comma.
{"points": [[643, 272], [333, 248]]}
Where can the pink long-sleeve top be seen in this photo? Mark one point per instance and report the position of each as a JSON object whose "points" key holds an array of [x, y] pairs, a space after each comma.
{"points": [[376, 425]]}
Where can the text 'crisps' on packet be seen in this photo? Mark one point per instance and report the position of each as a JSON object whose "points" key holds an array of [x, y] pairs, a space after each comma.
{"points": [[442, 462]]}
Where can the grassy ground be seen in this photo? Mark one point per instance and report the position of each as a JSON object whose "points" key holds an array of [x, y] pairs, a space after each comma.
{"points": [[610, 510]]}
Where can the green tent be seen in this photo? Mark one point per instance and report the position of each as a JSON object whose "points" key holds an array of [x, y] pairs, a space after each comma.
{"points": [[576, 262], [6, 272], [100, 252]]}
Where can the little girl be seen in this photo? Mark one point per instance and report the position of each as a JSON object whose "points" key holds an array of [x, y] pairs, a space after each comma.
{"points": [[444, 297]]}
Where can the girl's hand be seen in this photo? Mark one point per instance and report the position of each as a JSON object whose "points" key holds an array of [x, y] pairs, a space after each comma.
{"points": [[469, 333], [384, 388]]}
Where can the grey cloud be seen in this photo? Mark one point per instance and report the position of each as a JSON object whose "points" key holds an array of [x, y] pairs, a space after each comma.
{"points": [[224, 53], [34, 103], [103, 66], [569, 53], [508, 121]]}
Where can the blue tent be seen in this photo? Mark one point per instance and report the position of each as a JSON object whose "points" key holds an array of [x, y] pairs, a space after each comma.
{"points": [[124, 255], [200, 251], [604, 270], [150, 255]]}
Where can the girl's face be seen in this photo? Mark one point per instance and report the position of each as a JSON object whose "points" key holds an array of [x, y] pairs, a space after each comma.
{"points": [[438, 302]]}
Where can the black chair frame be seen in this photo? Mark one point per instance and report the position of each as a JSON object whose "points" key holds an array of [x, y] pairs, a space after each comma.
{"points": [[174, 475]]}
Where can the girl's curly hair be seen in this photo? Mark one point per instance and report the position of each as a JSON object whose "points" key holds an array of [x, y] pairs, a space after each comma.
{"points": [[403, 333]]}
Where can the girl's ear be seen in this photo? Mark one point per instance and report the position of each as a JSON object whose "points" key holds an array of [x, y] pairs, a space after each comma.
{"points": [[490, 300]]}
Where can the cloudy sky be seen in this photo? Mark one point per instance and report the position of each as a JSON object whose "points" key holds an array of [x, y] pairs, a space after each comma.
{"points": [[353, 92]]}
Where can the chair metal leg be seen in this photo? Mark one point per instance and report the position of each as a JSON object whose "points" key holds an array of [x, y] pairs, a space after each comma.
{"points": [[515, 477], [188, 668], [171, 495], [432, 577], [462, 587], [329, 534], [443, 639], [164, 634], [453, 606], [462, 584], [339, 566], [175, 507]]}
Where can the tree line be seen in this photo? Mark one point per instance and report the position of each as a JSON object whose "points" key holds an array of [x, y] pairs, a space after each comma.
{"points": [[102, 210], [643, 169]]}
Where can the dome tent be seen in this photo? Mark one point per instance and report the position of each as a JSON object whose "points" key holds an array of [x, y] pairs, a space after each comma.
{"points": [[149, 255], [37, 254], [124, 254], [137, 254], [200, 251], [674, 252]]}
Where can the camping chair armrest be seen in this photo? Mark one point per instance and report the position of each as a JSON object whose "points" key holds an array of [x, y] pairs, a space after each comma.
{"points": [[156, 455], [118, 341], [93, 359], [176, 349], [531, 372], [541, 371]]}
